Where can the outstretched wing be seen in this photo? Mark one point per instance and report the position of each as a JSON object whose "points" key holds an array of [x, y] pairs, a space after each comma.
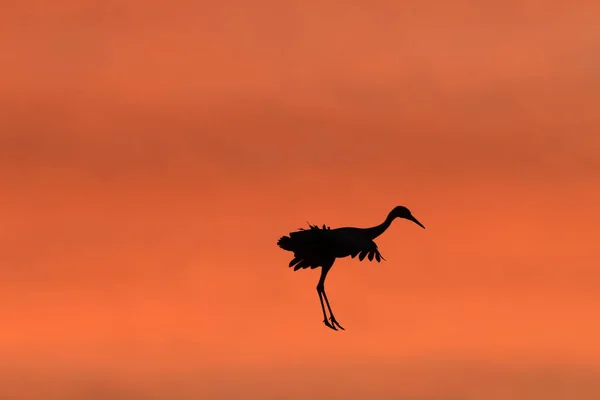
{"points": [[369, 253], [358, 244]]}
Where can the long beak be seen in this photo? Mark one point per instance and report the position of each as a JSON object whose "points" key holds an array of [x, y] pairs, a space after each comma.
{"points": [[413, 219]]}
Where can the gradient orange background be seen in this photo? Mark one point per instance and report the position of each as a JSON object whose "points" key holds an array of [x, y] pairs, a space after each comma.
{"points": [[151, 154]]}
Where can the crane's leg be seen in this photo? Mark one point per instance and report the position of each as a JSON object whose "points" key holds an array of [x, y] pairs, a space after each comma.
{"points": [[325, 318], [322, 295], [332, 319]]}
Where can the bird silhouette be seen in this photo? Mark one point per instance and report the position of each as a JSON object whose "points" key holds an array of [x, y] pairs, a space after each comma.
{"points": [[319, 247]]}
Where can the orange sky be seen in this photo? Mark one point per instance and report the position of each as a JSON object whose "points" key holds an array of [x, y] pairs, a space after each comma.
{"points": [[152, 153]]}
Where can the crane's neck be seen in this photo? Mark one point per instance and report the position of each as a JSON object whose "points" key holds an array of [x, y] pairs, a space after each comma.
{"points": [[379, 229]]}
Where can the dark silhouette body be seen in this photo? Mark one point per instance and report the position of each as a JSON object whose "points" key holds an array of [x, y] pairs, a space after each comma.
{"points": [[319, 247]]}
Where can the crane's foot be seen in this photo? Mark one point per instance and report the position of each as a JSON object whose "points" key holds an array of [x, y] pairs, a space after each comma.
{"points": [[329, 325], [335, 323]]}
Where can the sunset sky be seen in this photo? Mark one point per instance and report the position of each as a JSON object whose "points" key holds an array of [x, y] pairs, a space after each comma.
{"points": [[152, 153]]}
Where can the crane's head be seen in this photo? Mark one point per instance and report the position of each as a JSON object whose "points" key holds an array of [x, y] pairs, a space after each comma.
{"points": [[403, 212]]}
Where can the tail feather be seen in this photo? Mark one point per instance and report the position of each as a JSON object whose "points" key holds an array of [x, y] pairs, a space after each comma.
{"points": [[286, 243], [308, 246], [294, 261], [302, 264]]}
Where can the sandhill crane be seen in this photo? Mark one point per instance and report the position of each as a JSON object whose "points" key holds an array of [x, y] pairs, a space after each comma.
{"points": [[319, 247]]}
